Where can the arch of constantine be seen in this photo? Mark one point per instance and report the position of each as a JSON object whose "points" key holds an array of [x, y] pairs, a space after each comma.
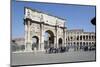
{"points": [[37, 24]]}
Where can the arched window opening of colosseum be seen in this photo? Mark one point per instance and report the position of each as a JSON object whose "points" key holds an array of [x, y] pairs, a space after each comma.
{"points": [[92, 43], [86, 37], [77, 43], [89, 37], [35, 42], [71, 38], [83, 43], [92, 37], [77, 37], [89, 43], [80, 37], [83, 37], [80, 45], [74, 44], [48, 39], [66, 39], [86, 43], [60, 42]]}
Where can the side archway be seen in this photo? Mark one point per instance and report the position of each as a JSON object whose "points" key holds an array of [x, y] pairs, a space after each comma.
{"points": [[60, 42], [35, 42]]}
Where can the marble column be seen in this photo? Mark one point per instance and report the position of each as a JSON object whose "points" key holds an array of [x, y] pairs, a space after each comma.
{"points": [[65, 37], [42, 37], [28, 45], [56, 36], [26, 35], [55, 42]]}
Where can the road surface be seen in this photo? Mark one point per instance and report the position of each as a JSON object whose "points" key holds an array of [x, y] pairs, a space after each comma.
{"points": [[41, 58]]}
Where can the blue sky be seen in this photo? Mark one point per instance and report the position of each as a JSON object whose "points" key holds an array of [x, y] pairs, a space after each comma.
{"points": [[77, 17]]}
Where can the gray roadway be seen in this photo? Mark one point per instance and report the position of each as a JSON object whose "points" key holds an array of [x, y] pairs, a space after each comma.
{"points": [[40, 58]]}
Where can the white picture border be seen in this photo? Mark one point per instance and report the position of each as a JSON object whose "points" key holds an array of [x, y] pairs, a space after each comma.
{"points": [[5, 33]]}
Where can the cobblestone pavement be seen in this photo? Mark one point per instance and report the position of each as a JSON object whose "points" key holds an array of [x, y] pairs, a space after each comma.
{"points": [[41, 58]]}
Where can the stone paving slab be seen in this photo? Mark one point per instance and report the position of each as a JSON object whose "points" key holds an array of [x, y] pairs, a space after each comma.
{"points": [[41, 58]]}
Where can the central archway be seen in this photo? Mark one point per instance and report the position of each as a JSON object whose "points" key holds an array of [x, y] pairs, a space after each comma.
{"points": [[48, 39]]}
